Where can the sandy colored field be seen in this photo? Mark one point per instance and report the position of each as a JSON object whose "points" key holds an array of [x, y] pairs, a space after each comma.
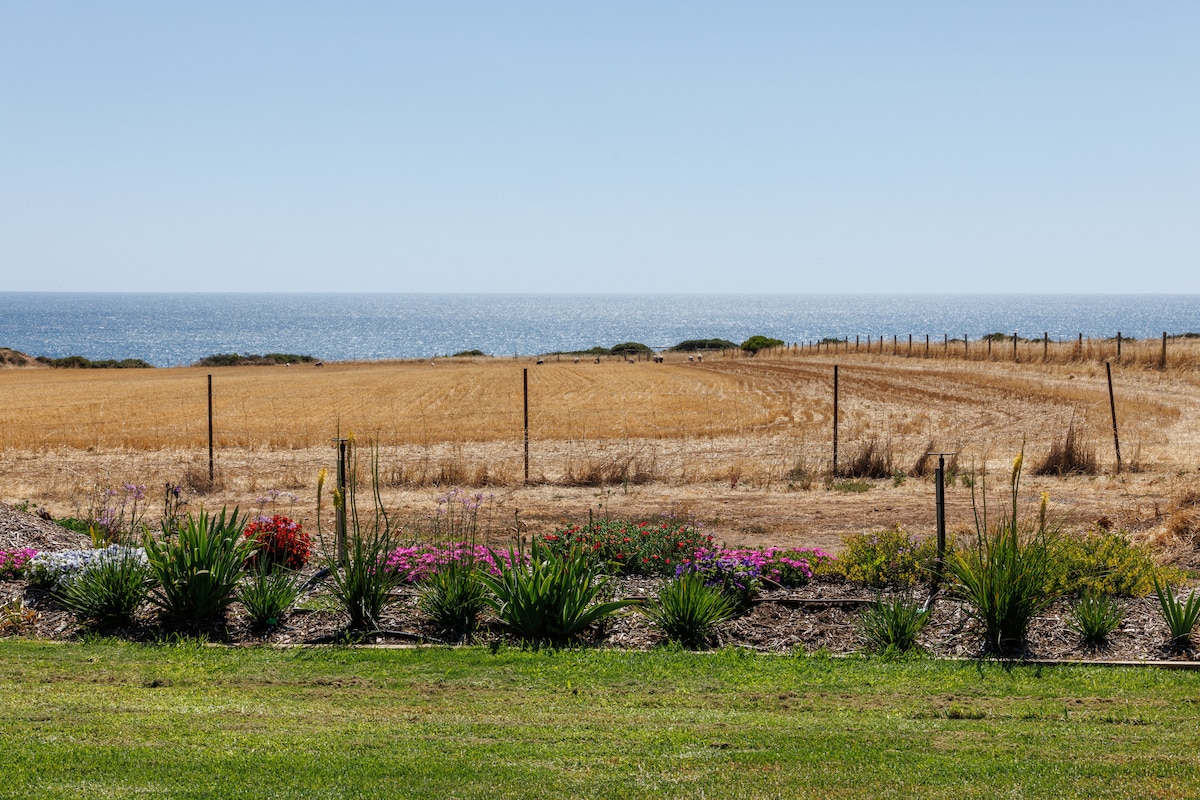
{"points": [[740, 444]]}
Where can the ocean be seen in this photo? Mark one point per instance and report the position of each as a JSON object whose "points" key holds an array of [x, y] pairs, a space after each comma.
{"points": [[180, 329]]}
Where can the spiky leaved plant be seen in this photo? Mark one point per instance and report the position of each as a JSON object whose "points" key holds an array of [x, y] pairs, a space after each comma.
{"points": [[1004, 577]]}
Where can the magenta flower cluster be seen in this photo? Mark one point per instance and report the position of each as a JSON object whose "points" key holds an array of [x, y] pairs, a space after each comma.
{"points": [[419, 561], [12, 562], [785, 566]]}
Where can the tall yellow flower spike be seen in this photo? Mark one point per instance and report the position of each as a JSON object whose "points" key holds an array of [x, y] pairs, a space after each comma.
{"points": [[1017, 465]]}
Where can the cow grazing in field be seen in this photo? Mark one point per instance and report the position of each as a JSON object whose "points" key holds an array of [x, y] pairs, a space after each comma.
{"points": [[319, 364], [658, 359], [541, 361], [597, 361]]}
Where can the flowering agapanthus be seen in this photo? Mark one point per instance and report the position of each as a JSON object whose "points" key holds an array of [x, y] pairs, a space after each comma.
{"points": [[12, 562], [51, 570]]}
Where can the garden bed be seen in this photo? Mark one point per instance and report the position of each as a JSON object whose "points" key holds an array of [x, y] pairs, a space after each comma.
{"points": [[821, 616]]}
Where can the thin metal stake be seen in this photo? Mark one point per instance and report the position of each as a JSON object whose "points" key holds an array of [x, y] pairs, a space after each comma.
{"points": [[1112, 405], [210, 432], [525, 385]]}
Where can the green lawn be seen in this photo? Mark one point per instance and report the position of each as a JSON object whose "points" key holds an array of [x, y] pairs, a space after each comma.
{"points": [[110, 719]]}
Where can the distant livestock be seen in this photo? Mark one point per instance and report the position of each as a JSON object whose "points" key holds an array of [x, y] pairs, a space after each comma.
{"points": [[541, 361], [319, 364]]}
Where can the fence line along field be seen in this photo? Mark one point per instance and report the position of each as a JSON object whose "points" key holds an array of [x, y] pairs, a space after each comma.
{"points": [[744, 443]]}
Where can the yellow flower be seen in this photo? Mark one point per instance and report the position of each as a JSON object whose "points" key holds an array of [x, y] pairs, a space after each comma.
{"points": [[1017, 465]]}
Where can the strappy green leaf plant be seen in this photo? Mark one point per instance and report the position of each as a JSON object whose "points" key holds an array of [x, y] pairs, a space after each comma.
{"points": [[687, 609], [197, 570], [1004, 576], [1181, 615], [548, 598]]}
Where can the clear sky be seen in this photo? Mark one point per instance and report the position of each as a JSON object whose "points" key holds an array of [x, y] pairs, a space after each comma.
{"points": [[600, 147]]}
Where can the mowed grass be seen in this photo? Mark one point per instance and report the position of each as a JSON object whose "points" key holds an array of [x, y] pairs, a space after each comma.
{"points": [[117, 720]]}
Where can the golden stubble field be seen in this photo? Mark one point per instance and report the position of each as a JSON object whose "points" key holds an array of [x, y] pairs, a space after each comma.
{"points": [[741, 444]]}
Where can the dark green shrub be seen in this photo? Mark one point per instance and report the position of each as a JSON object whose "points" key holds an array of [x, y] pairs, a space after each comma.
{"points": [[109, 588], [453, 597], [756, 343], [269, 594], [697, 345], [687, 609], [893, 624], [197, 570], [630, 349], [1095, 615], [548, 597], [1004, 577], [1181, 615]]}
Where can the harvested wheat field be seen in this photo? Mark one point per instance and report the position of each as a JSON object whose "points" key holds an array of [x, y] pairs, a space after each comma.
{"points": [[743, 445]]}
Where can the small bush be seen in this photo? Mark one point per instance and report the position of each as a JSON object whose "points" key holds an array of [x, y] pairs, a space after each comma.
{"points": [[630, 349], [1181, 615], [1070, 455], [453, 597], [890, 557], [872, 459], [363, 584], [109, 589], [269, 594], [279, 542], [1095, 615], [688, 608], [1004, 578], [699, 345], [197, 570], [737, 574], [756, 343], [893, 624], [52, 569], [551, 597], [1108, 563]]}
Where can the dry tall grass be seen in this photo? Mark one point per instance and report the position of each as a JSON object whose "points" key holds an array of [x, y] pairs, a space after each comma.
{"points": [[734, 435]]}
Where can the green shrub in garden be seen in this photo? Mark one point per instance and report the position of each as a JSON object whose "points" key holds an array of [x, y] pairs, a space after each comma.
{"points": [[891, 557], [109, 588], [631, 548], [1181, 615], [893, 624], [1095, 615], [1004, 577], [268, 594], [197, 570], [549, 597], [687, 609], [1108, 563], [453, 597]]}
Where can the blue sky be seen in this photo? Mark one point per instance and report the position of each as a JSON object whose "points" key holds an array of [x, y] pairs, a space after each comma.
{"points": [[587, 147]]}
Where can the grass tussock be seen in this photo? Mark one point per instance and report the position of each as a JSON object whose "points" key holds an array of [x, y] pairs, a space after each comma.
{"points": [[871, 459], [1071, 455]]}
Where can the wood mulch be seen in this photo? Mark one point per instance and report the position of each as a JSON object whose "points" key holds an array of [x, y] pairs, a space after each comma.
{"points": [[820, 617]]}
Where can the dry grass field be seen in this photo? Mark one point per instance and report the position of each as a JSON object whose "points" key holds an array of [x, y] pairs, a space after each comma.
{"points": [[742, 444]]}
